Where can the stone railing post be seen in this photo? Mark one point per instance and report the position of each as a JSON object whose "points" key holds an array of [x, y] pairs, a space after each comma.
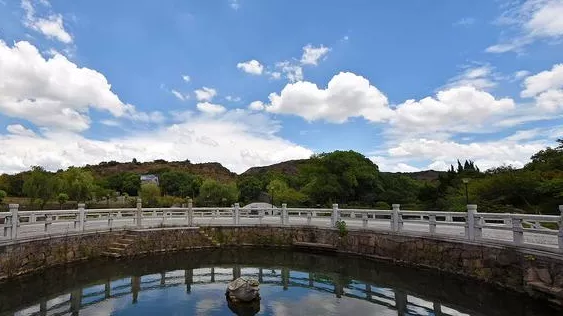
{"points": [[335, 215], [365, 220], [15, 220], [560, 234], [517, 231], [81, 216], [470, 224], [190, 216], [432, 223], [309, 217], [395, 225], [237, 214], [139, 213], [285, 214], [48, 222]]}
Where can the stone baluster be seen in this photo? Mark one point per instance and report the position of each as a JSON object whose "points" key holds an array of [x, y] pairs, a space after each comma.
{"points": [[560, 234], [212, 275], [368, 292], [48, 222], [365, 220], [309, 217], [81, 216], [110, 219], [285, 215], [190, 212], [285, 278], [432, 223], [260, 275], [401, 302], [107, 289], [470, 223], [75, 301], [8, 226], [15, 220], [396, 222], [139, 213], [237, 214], [335, 215], [517, 231]]}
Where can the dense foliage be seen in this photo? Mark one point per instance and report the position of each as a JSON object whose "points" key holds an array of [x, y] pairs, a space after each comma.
{"points": [[343, 177]]}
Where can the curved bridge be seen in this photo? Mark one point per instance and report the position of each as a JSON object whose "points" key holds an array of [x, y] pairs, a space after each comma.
{"points": [[543, 232]]}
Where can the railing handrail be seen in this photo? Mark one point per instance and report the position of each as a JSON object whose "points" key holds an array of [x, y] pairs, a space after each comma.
{"points": [[395, 220]]}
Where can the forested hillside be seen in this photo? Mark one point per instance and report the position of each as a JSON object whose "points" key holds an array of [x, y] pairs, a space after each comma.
{"points": [[343, 177]]}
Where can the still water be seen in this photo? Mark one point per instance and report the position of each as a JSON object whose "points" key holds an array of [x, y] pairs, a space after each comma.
{"points": [[291, 283]]}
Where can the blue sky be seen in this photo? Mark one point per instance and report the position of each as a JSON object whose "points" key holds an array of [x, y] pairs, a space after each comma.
{"points": [[413, 85]]}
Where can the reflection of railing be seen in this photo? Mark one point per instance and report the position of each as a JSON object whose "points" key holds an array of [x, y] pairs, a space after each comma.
{"points": [[523, 230], [82, 298]]}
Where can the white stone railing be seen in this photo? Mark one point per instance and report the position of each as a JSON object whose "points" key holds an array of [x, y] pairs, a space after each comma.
{"points": [[543, 232]]}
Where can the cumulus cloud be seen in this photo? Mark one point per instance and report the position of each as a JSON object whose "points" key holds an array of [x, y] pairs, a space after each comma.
{"points": [[179, 95], [252, 67], [347, 95], [534, 19], [54, 92], [486, 155], [481, 77], [256, 106], [312, 55], [457, 109], [237, 139], [292, 72], [18, 129], [51, 26], [547, 88], [205, 94], [210, 108]]}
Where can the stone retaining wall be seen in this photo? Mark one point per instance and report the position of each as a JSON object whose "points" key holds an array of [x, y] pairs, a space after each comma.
{"points": [[539, 274]]}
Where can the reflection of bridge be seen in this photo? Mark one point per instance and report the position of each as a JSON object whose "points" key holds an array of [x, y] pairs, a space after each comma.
{"points": [[81, 298]]}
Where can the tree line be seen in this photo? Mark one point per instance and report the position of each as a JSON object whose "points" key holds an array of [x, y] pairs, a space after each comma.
{"points": [[344, 177]]}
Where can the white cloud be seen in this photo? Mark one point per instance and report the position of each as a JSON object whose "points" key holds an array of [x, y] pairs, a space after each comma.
{"points": [[179, 95], [237, 139], [231, 98], [466, 21], [547, 88], [312, 55], [53, 92], [252, 67], [292, 72], [347, 95], [521, 74], [256, 106], [481, 77], [18, 129], [52, 26], [456, 109], [205, 94], [485, 154], [275, 75], [534, 19], [234, 4], [210, 108], [186, 78]]}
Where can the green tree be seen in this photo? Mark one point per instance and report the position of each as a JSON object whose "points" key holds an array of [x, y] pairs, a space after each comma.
{"points": [[150, 193], [124, 182], [40, 185], [179, 183], [214, 193], [62, 198], [282, 193], [340, 176], [3, 195], [250, 188], [78, 183]]}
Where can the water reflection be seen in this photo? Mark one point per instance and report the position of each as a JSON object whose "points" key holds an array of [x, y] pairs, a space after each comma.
{"points": [[312, 285]]}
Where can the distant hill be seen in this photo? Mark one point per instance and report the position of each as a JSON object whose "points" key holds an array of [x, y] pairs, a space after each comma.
{"points": [[290, 167], [212, 170]]}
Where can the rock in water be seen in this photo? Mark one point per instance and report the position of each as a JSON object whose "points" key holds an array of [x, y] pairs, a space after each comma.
{"points": [[243, 290]]}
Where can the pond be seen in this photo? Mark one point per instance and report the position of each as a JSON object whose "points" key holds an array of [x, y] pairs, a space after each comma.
{"points": [[291, 283]]}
